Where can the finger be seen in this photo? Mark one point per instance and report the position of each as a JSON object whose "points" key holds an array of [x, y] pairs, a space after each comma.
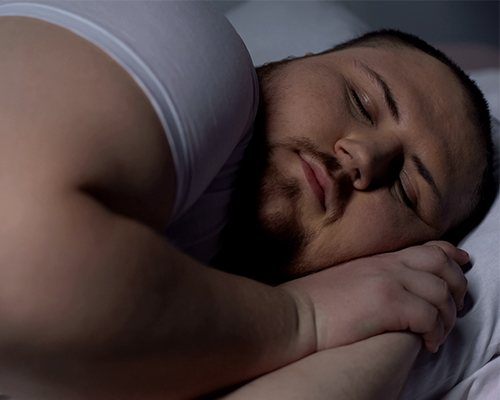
{"points": [[461, 257], [421, 317], [434, 338], [451, 272], [433, 259], [433, 290]]}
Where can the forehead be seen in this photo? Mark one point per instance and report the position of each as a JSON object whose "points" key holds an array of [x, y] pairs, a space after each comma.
{"points": [[434, 117]]}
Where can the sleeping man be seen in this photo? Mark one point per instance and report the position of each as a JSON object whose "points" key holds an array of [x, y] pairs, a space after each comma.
{"points": [[125, 128]]}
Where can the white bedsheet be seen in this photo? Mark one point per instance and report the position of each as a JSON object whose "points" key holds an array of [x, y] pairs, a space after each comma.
{"points": [[484, 384]]}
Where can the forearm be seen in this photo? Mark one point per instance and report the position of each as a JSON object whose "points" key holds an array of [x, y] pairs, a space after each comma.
{"points": [[374, 368], [104, 286]]}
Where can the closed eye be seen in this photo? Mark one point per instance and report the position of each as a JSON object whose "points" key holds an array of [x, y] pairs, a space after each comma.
{"points": [[404, 195], [359, 105]]}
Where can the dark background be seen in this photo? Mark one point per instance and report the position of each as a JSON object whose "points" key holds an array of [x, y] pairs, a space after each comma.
{"points": [[434, 21]]}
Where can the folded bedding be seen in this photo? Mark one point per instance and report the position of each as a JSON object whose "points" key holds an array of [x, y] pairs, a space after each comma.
{"points": [[484, 384]]}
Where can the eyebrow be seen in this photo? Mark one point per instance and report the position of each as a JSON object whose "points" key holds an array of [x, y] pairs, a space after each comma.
{"points": [[389, 98], [425, 173], [392, 104]]}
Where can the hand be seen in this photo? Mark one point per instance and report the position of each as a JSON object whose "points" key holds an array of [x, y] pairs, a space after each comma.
{"points": [[417, 289]]}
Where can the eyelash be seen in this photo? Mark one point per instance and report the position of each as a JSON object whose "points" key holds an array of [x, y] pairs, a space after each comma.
{"points": [[359, 105], [404, 195]]}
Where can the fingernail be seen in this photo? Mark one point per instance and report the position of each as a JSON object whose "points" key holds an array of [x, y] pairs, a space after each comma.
{"points": [[465, 254]]}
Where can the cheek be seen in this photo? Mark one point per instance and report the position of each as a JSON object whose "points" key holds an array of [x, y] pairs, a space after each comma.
{"points": [[372, 223], [375, 222], [277, 185], [318, 114]]}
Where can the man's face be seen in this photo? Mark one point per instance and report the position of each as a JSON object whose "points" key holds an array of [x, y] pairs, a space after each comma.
{"points": [[370, 149]]}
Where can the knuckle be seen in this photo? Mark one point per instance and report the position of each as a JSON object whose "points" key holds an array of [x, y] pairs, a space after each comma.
{"points": [[440, 243], [438, 254]]}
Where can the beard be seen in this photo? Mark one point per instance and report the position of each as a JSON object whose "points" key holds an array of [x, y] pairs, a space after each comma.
{"points": [[264, 238], [253, 244]]}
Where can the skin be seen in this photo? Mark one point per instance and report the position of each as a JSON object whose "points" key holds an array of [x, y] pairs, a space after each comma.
{"points": [[375, 368], [309, 111], [71, 292]]}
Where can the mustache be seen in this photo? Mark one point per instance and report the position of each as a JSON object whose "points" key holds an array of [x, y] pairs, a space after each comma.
{"points": [[332, 166], [302, 143]]}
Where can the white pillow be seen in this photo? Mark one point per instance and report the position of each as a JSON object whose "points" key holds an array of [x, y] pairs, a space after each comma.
{"points": [[273, 30]]}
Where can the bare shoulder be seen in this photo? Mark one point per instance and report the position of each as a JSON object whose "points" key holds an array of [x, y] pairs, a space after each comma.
{"points": [[71, 116]]}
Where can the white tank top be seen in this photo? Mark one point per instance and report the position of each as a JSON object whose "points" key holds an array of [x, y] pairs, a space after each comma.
{"points": [[198, 76]]}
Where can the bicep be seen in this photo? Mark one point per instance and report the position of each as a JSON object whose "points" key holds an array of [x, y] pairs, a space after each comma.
{"points": [[72, 121]]}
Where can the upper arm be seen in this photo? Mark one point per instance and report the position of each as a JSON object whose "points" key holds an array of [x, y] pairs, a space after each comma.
{"points": [[70, 116], [73, 123]]}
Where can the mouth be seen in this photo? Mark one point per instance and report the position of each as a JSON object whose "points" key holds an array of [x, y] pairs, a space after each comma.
{"points": [[318, 178]]}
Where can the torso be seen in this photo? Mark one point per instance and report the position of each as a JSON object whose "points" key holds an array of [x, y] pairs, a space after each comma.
{"points": [[75, 117]]}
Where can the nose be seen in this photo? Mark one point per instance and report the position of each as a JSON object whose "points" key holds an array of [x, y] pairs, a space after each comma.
{"points": [[369, 162]]}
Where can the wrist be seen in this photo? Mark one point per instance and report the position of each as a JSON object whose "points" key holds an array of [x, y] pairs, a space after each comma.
{"points": [[404, 344], [304, 339], [407, 340]]}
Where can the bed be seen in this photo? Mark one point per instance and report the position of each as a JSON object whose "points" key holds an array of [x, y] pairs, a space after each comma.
{"points": [[468, 364]]}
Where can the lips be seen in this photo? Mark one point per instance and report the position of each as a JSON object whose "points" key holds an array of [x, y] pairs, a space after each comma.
{"points": [[318, 178]]}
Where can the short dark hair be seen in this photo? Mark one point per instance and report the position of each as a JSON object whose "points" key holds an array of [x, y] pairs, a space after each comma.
{"points": [[487, 188]]}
